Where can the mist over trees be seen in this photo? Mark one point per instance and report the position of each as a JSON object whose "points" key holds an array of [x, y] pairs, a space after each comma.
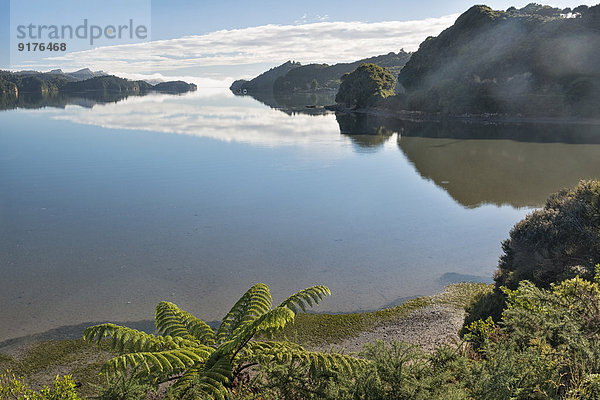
{"points": [[313, 77], [292, 77], [534, 61]]}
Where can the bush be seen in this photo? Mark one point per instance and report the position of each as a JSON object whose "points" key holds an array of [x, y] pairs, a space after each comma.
{"points": [[548, 345], [394, 371], [486, 305], [558, 242], [366, 86], [120, 386], [14, 388], [509, 372]]}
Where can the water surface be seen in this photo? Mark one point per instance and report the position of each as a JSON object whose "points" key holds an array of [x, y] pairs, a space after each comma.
{"points": [[105, 211]]}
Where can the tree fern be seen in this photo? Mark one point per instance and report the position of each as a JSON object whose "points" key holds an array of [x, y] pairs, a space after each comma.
{"points": [[306, 297], [173, 321], [159, 362], [286, 352], [255, 302], [127, 340], [204, 362], [209, 380]]}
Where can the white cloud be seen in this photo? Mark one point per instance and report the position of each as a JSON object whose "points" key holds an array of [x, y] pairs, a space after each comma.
{"points": [[314, 42]]}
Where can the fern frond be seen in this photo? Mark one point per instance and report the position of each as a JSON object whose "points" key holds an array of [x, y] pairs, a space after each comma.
{"points": [[127, 340], [159, 362], [254, 303], [286, 352], [269, 322], [306, 298], [173, 321], [210, 380]]}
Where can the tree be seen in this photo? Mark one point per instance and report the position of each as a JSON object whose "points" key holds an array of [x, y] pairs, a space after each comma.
{"points": [[205, 362], [365, 86]]}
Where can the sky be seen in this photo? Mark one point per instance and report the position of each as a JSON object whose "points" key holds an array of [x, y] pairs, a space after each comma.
{"points": [[228, 39]]}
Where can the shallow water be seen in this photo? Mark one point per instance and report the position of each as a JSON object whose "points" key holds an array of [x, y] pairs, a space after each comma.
{"points": [[106, 211]]}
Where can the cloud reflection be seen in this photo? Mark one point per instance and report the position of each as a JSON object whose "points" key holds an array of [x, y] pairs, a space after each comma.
{"points": [[214, 114]]}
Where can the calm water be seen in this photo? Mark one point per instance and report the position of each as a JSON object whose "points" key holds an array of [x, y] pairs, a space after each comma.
{"points": [[106, 211]]}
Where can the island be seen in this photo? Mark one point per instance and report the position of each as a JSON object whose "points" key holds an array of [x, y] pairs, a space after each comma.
{"points": [[56, 81], [32, 89]]}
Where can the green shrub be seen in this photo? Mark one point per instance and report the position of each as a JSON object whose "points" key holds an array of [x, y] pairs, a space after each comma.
{"points": [[366, 86], [558, 242], [509, 372], [121, 386], [485, 305], [547, 346], [14, 388], [395, 371]]}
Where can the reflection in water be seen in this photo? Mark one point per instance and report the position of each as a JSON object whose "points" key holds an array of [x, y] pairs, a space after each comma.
{"points": [[60, 100], [296, 103], [476, 172], [514, 164], [217, 115], [366, 131]]}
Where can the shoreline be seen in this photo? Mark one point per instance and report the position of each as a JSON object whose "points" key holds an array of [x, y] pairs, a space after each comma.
{"points": [[421, 116], [454, 297], [428, 322]]}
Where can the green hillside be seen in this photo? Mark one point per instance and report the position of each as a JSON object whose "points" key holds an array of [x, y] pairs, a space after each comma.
{"points": [[534, 61], [313, 77]]}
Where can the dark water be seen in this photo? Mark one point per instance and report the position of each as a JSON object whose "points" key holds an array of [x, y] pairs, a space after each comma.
{"points": [[106, 211]]}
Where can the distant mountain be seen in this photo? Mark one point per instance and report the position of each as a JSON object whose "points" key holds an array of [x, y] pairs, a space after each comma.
{"points": [[309, 78], [533, 61], [79, 75], [86, 73], [264, 81]]}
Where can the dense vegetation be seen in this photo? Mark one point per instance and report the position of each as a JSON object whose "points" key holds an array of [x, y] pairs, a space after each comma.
{"points": [[292, 77], [546, 348], [263, 82], [34, 83], [313, 77], [533, 61], [13, 388], [366, 86], [557, 242], [30, 89]]}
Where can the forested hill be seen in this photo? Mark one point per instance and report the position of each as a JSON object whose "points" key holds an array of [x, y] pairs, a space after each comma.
{"points": [[534, 61], [38, 83], [264, 81], [293, 77], [322, 76]]}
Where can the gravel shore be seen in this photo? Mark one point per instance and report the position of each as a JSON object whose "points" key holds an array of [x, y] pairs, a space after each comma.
{"points": [[426, 327]]}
